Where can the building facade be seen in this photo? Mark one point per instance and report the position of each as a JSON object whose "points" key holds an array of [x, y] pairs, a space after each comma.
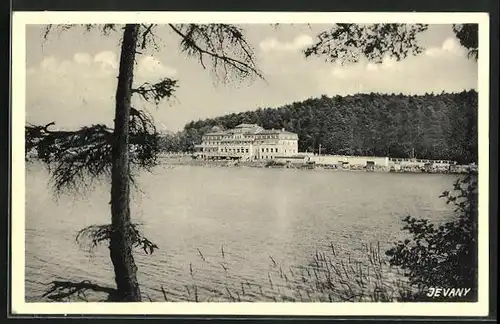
{"points": [[248, 142]]}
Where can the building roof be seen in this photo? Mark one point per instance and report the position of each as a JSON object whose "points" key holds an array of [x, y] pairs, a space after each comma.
{"points": [[275, 131], [250, 129], [216, 133], [247, 126]]}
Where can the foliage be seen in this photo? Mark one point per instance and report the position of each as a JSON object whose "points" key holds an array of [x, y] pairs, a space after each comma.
{"points": [[157, 91], [171, 142], [349, 43], [467, 34], [94, 235], [67, 290], [231, 57], [444, 255], [436, 126], [77, 158], [273, 163], [144, 140]]}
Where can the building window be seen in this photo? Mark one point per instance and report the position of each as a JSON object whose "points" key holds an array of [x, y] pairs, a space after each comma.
{"points": [[246, 150], [262, 150], [267, 150]]}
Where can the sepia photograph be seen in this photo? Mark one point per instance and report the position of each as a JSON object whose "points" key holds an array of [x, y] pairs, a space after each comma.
{"points": [[315, 159]]}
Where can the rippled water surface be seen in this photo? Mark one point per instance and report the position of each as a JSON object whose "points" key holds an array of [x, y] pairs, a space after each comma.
{"points": [[219, 226]]}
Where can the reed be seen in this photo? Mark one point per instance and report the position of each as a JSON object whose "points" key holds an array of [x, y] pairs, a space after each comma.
{"points": [[329, 276]]}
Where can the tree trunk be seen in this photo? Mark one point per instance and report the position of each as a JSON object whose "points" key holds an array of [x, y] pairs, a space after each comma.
{"points": [[120, 242]]}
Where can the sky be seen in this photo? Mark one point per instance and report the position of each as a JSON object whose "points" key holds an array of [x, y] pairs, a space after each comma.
{"points": [[71, 76]]}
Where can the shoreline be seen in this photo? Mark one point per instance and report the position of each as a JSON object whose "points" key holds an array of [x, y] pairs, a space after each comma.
{"points": [[187, 160]]}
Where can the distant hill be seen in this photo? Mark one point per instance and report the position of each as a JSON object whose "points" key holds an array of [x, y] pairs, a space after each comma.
{"points": [[436, 126]]}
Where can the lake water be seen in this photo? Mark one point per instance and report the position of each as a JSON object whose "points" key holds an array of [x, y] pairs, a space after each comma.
{"points": [[219, 227]]}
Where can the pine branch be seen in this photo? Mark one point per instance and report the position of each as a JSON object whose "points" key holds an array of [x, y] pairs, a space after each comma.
{"points": [[348, 43], [156, 91], [94, 235], [61, 290], [223, 44], [147, 36], [76, 159], [468, 35], [106, 29]]}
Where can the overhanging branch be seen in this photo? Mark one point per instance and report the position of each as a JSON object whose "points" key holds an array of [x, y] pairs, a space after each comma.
{"points": [[348, 43], [223, 44], [94, 235], [156, 91], [106, 29], [77, 158]]}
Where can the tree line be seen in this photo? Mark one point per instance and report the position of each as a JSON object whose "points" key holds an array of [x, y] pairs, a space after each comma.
{"points": [[431, 126]]}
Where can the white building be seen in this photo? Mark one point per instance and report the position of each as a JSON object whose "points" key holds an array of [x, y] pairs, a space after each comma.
{"points": [[248, 142]]}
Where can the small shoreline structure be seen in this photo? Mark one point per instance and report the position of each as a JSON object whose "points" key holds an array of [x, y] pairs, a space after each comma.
{"points": [[338, 163]]}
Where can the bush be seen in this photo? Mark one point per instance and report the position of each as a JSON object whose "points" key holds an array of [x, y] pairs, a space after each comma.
{"points": [[446, 255], [272, 163]]}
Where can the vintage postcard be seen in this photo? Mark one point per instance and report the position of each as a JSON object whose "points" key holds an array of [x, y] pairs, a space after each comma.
{"points": [[239, 163]]}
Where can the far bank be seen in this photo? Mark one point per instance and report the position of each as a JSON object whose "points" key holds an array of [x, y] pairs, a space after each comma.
{"points": [[325, 162]]}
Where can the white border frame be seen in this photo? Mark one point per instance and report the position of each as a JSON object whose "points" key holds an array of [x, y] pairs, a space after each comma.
{"points": [[19, 306]]}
